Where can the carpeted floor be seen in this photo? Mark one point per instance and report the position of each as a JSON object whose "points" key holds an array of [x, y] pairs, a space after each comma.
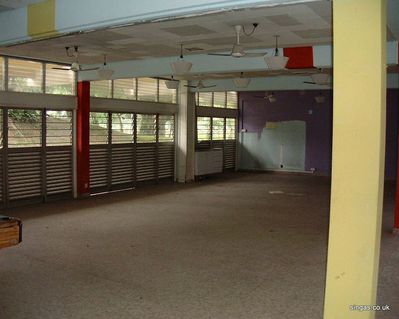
{"points": [[240, 246]]}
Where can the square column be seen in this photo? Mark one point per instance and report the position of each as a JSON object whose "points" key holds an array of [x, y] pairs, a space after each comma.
{"points": [[358, 157]]}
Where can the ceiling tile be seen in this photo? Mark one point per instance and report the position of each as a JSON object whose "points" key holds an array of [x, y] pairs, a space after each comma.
{"points": [[188, 30], [314, 33], [283, 20]]}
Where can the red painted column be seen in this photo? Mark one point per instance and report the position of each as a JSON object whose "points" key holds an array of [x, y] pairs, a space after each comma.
{"points": [[82, 139]]}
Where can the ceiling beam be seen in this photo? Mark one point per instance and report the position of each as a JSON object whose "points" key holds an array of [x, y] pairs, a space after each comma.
{"points": [[203, 63]]}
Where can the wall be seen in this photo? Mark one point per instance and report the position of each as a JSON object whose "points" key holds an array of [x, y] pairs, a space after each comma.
{"points": [[291, 105]]}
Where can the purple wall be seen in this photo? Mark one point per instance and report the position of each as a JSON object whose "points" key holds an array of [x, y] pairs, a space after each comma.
{"points": [[291, 105]]}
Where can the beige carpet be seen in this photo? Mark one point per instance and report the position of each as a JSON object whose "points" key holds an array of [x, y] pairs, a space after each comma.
{"points": [[243, 246]]}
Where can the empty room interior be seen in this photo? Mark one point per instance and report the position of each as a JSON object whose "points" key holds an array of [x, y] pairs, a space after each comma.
{"points": [[199, 159]]}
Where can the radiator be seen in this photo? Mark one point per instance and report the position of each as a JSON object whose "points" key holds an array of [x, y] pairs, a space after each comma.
{"points": [[208, 161]]}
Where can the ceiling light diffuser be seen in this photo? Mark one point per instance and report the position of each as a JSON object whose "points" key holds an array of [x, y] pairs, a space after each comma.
{"points": [[241, 82], [320, 78], [181, 67], [276, 62], [105, 74], [172, 85], [320, 98]]}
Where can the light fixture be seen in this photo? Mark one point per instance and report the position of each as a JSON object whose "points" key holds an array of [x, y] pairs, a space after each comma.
{"points": [[105, 73], [320, 98], [172, 84], [180, 66], [241, 82], [276, 62], [321, 78], [272, 98]]}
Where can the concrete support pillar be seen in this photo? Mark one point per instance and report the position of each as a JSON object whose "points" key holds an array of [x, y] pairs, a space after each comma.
{"points": [[358, 157], [185, 134], [82, 139]]}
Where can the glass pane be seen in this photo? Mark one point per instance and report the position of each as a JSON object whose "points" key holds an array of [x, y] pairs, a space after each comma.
{"points": [[58, 128], [24, 128], [99, 128], [166, 128], [122, 128], [1, 73], [147, 89], [125, 89], [219, 99], [101, 88], [205, 99], [146, 131], [59, 81], [230, 129], [25, 76], [203, 128], [166, 95], [232, 100], [218, 129]]}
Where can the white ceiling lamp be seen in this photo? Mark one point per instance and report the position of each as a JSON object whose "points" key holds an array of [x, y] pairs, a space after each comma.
{"points": [[105, 73], [321, 78], [181, 67], [276, 62], [172, 84], [320, 98], [241, 82], [200, 85]]}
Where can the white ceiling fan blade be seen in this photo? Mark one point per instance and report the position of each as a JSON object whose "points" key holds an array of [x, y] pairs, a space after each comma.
{"points": [[253, 55], [220, 54], [89, 69], [63, 69]]}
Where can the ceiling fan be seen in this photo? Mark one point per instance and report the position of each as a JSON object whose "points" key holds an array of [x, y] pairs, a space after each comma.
{"points": [[75, 66], [268, 96], [238, 50], [200, 85]]}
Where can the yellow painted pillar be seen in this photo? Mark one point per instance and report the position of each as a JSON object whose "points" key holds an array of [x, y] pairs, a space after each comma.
{"points": [[358, 157]]}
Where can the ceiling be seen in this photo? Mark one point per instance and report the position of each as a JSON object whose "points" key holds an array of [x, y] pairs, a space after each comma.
{"points": [[14, 4], [297, 25]]}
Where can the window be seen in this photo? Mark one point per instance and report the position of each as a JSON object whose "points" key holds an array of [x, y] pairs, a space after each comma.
{"points": [[166, 95], [24, 128], [122, 128], [1, 73], [146, 131], [25, 76], [204, 99], [59, 81], [218, 129], [230, 128], [219, 99], [58, 128], [147, 89], [125, 89], [203, 128], [232, 100], [99, 128], [101, 88], [166, 128]]}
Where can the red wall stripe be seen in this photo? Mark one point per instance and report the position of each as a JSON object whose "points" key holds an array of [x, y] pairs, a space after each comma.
{"points": [[82, 137], [299, 58]]}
